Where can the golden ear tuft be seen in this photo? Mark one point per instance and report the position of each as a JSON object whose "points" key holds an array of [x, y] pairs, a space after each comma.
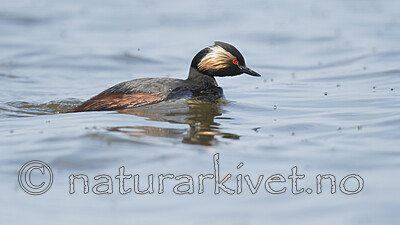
{"points": [[217, 58]]}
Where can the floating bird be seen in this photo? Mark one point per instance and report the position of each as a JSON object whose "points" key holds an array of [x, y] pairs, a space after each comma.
{"points": [[218, 60]]}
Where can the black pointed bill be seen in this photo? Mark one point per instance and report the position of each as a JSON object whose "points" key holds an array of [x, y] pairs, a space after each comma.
{"points": [[247, 70]]}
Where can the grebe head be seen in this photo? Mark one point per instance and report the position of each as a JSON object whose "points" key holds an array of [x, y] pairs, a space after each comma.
{"points": [[221, 59]]}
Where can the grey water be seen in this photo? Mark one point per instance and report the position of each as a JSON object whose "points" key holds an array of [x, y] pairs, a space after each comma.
{"points": [[327, 103]]}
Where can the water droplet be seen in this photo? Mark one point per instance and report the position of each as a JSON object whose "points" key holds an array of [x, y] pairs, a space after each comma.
{"points": [[275, 107]]}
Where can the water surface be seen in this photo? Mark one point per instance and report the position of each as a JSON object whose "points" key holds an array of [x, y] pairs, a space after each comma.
{"points": [[328, 103]]}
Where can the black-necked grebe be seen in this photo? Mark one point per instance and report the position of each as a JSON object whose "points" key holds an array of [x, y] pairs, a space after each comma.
{"points": [[220, 59]]}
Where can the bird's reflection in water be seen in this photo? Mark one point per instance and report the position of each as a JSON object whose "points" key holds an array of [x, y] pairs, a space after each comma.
{"points": [[199, 115]]}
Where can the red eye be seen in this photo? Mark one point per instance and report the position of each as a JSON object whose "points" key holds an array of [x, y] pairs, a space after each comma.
{"points": [[235, 61]]}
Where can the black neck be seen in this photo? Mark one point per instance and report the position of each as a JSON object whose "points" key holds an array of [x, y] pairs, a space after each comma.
{"points": [[195, 75]]}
